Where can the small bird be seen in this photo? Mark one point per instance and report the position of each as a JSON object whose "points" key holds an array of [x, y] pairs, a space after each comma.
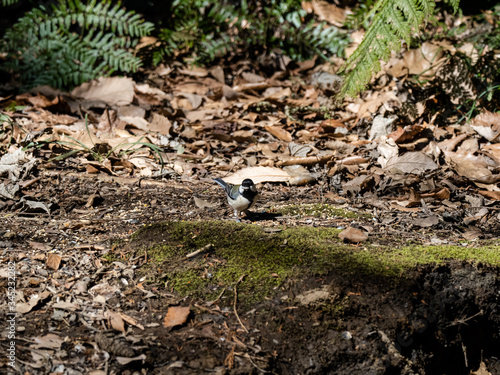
{"points": [[240, 197]]}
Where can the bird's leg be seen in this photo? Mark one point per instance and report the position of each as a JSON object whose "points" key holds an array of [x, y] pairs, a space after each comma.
{"points": [[237, 216]]}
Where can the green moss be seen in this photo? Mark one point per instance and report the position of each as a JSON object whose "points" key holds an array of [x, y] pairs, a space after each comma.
{"points": [[110, 257], [410, 256], [321, 210], [269, 260]]}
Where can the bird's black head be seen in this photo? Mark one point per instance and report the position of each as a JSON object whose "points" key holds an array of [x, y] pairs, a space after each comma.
{"points": [[247, 183]]}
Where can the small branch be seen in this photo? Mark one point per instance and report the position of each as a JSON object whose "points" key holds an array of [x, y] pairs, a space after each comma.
{"points": [[203, 249]]}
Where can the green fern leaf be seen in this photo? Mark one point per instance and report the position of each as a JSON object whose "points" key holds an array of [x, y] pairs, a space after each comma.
{"points": [[45, 47], [393, 21]]}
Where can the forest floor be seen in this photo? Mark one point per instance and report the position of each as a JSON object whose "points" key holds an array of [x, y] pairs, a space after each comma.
{"points": [[103, 306], [373, 248]]}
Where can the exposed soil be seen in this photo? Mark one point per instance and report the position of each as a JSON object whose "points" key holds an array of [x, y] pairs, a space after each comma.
{"points": [[436, 319]]}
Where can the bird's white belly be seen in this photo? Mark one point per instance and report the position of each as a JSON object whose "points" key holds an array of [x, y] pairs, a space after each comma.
{"points": [[240, 203]]}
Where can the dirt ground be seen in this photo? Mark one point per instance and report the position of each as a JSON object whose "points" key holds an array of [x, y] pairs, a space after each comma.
{"points": [[94, 314]]}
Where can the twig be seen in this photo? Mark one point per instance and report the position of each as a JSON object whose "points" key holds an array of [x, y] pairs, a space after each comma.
{"points": [[247, 356], [229, 361], [210, 303], [234, 304], [204, 248], [464, 349], [465, 320]]}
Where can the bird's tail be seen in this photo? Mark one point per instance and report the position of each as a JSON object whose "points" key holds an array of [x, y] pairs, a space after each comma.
{"points": [[221, 182]]}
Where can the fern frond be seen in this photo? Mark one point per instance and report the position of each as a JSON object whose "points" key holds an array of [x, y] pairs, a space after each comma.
{"points": [[74, 42], [455, 4], [393, 21]]}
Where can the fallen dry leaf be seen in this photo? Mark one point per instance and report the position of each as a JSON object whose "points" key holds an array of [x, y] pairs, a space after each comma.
{"points": [[482, 370], [353, 160], [487, 125], [440, 194], [330, 126], [113, 91], [160, 124], [279, 133], [451, 144], [201, 203], [307, 160], [126, 360], [258, 175], [406, 134], [468, 165], [494, 195], [176, 315], [299, 175], [411, 162], [329, 12], [425, 60], [115, 320], [49, 341], [23, 308], [69, 306], [53, 261], [425, 222], [252, 77], [353, 235]]}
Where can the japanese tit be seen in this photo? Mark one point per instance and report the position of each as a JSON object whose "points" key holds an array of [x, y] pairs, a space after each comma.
{"points": [[240, 197]]}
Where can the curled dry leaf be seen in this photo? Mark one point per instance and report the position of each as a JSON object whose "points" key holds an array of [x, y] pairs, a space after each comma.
{"points": [[194, 71], [406, 134], [68, 306], [23, 308], [160, 124], [40, 101], [126, 360], [150, 95], [330, 126], [353, 160], [440, 194], [308, 160], [487, 125], [451, 144], [176, 315], [218, 73], [279, 133], [414, 199], [360, 184], [493, 151], [252, 77], [251, 86]]}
